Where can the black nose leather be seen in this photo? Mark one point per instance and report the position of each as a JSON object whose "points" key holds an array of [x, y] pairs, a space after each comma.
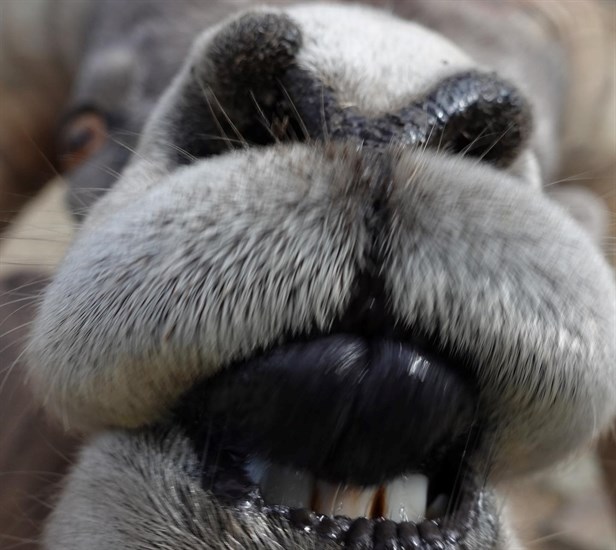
{"points": [[250, 91], [344, 407]]}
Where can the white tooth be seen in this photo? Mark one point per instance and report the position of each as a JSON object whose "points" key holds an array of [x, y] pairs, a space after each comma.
{"points": [[343, 500], [287, 487], [405, 498]]}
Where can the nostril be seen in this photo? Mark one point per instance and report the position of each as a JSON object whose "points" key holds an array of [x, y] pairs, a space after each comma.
{"points": [[341, 406], [232, 94], [473, 113]]}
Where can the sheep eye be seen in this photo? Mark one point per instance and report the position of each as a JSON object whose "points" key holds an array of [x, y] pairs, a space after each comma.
{"points": [[81, 136]]}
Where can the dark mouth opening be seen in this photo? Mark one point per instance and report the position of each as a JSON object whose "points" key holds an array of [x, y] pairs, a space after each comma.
{"points": [[364, 441], [452, 495]]}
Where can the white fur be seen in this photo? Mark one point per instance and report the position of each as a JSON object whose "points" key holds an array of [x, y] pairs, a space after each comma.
{"points": [[375, 61]]}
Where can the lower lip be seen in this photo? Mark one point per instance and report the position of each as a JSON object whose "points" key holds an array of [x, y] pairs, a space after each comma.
{"points": [[370, 534], [225, 473], [422, 533]]}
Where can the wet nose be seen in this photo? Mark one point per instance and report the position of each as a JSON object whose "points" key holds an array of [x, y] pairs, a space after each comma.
{"points": [[249, 90]]}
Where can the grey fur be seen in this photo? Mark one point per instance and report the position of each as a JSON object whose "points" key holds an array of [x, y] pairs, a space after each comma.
{"points": [[179, 271], [176, 511]]}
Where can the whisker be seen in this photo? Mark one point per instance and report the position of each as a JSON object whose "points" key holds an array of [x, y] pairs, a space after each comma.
{"points": [[299, 118], [263, 119], [234, 128]]}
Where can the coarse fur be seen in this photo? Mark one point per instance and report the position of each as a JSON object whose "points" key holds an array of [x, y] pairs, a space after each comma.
{"points": [[181, 269]]}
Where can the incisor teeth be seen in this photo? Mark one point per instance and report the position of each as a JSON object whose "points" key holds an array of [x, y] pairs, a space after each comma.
{"points": [[287, 487], [405, 498], [343, 500]]}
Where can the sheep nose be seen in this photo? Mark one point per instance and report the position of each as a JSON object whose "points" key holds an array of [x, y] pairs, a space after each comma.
{"points": [[248, 89]]}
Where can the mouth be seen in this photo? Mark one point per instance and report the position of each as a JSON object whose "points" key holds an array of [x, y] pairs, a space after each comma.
{"points": [[366, 441], [412, 510]]}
